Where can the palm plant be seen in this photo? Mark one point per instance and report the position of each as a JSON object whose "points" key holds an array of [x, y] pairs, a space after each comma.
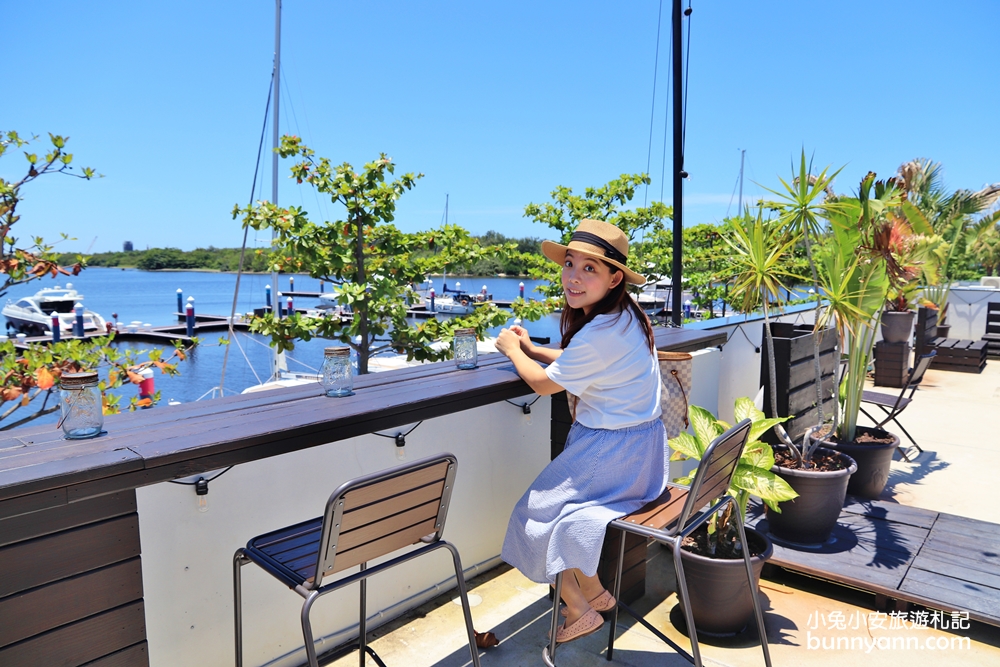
{"points": [[804, 204], [753, 476], [855, 285], [758, 250], [985, 245], [931, 209]]}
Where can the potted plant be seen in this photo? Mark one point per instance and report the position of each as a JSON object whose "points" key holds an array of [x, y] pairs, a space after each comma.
{"points": [[903, 269], [818, 476], [713, 560], [861, 268]]}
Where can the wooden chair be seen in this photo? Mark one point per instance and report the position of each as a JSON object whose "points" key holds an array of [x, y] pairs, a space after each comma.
{"points": [[893, 405], [673, 516], [365, 518]]}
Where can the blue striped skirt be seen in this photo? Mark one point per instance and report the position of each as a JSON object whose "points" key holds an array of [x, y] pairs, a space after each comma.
{"points": [[601, 475]]}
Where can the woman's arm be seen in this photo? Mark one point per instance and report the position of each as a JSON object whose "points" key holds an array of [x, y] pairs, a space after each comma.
{"points": [[545, 355], [509, 343]]}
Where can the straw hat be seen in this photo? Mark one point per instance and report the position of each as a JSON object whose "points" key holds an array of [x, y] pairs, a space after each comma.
{"points": [[597, 239]]}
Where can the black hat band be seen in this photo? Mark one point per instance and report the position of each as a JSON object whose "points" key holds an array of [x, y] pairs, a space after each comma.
{"points": [[610, 251]]}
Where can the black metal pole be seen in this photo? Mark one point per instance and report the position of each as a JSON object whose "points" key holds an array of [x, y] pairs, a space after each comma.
{"points": [[676, 282]]}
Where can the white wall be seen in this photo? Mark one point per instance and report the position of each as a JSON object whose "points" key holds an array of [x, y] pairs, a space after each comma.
{"points": [[967, 310], [187, 555]]}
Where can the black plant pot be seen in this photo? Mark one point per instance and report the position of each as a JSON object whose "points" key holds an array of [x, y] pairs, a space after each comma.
{"points": [[873, 459], [943, 330], [810, 518], [718, 589], [897, 327]]}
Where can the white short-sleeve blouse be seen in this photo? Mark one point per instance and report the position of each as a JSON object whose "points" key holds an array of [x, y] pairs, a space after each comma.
{"points": [[608, 365]]}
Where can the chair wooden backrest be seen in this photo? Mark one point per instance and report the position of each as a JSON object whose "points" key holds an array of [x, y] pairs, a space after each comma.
{"points": [[715, 473], [677, 505], [919, 368], [375, 515]]}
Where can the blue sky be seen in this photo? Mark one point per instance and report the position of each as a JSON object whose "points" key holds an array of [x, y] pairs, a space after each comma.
{"points": [[497, 103]]}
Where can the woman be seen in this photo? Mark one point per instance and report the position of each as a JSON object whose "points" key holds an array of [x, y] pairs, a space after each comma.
{"points": [[613, 462]]}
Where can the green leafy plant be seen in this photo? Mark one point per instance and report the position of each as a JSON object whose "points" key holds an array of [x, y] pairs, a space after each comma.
{"points": [[855, 284], [649, 241], [753, 476], [932, 209], [29, 378], [372, 264], [759, 247]]}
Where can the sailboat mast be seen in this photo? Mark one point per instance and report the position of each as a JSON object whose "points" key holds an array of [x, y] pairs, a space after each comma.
{"points": [[444, 275], [276, 139], [676, 277]]}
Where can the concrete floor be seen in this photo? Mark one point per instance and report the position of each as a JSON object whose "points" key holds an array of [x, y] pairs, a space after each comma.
{"points": [[953, 417]]}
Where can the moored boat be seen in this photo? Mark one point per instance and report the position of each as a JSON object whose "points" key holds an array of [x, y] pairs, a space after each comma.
{"points": [[32, 315]]}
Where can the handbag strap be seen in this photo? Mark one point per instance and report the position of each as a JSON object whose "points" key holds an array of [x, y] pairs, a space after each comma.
{"points": [[677, 356], [680, 385]]}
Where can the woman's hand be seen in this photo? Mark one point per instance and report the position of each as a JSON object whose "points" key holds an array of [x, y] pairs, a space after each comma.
{"points": [[508, 341], [525, 339]]}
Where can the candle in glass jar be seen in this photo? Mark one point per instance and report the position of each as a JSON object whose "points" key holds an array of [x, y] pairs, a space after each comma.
{"points": [[338, 376], [81, 406], [464, 345]]}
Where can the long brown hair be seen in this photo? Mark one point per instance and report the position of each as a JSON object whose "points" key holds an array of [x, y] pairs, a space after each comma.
{"points": [[617, 300]]}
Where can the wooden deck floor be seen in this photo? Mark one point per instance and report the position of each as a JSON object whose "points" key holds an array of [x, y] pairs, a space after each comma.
{"points": [[937, 560]]}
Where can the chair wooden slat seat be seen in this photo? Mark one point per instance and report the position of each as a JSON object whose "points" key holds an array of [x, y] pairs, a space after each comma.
{"points": [[365, 519], [662, 512]]}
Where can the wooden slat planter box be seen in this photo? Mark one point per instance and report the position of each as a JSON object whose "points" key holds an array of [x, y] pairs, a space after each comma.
{"points": [[892, 364], [796, 376]]}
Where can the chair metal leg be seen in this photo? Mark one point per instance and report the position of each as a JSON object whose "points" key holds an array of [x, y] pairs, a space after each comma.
{"points": [[549, 652], [757, 611], [617, 592], [867, 414], [685, 600], [239, 560], [466, 609], [307, 633], [363, 622], [907, 434]]}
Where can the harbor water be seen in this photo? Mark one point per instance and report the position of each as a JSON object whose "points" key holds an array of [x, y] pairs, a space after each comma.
{"points": [[150, 297]]}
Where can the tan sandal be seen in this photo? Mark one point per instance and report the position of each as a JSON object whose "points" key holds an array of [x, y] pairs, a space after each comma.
{"points": [[603, 603], [587, 624]]}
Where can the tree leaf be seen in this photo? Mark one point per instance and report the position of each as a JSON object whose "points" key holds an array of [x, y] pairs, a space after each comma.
{"points": [[44, 379]]}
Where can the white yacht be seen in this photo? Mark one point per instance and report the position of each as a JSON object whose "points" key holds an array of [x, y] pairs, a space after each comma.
{"points": [[32, 315]]}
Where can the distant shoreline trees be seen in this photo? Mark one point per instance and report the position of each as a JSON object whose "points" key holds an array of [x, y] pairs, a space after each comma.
{"points": [[228, 259]]}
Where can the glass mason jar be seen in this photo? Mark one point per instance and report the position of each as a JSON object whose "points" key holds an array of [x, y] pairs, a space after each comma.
{"points": [[338, 376], [81, 406], [464, 344]]}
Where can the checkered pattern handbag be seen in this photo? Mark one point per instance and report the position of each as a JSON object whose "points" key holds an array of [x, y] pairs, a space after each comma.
{"points": [[675, 373]]}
